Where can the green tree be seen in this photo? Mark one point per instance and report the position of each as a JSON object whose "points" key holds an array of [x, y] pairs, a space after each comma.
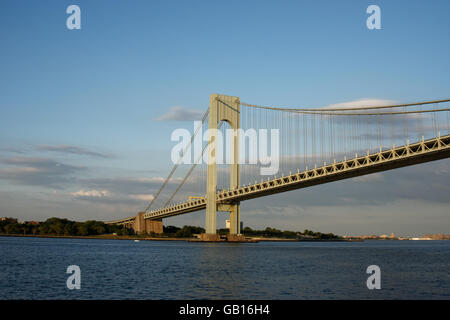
{"points": [[13, 228], [124, 232], [83, 230]]}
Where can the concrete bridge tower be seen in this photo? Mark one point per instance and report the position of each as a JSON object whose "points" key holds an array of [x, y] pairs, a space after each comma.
{"points": [[222, 108]]}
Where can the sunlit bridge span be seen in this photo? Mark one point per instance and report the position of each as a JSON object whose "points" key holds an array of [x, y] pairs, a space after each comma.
{"points": [[313, 146]]}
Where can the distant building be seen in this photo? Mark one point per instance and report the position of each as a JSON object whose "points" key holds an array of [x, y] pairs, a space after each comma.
{"points": [[439, 236], [228, 224], [11, 220], [369, 237]]}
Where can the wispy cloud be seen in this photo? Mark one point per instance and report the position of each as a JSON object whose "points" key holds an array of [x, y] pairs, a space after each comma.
{"points": [[181, 114], [12, 150], [128, 185], [38, 172], [73, 150]]}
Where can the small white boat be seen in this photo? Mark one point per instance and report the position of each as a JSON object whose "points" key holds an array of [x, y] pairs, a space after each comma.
{"points": [[137, 240]]}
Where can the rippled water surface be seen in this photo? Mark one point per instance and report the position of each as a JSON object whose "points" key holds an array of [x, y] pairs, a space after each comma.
{"points": [[35, 268]]}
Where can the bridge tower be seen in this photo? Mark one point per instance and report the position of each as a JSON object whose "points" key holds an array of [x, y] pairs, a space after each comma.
{"points": [[222, 108]]}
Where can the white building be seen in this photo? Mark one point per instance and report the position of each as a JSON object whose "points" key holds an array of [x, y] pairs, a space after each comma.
{"points": [[227, 224]]}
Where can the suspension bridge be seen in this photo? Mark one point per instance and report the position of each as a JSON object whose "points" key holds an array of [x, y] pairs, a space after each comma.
{"points": [[313, 146]]}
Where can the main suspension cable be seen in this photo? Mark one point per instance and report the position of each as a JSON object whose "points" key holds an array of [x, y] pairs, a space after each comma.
{"points": [[321, 110], [178, 162]]}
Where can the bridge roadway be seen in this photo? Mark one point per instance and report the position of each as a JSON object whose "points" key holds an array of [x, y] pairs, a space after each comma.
{"points": [[396, 157]]}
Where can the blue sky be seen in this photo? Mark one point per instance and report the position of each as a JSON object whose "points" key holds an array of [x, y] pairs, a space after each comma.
{"points": [[96, 93]]}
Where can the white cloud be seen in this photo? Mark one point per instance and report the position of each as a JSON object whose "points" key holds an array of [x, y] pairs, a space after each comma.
{"points": [[143, 197], [90, 194], [364, 102], [177, 113]]}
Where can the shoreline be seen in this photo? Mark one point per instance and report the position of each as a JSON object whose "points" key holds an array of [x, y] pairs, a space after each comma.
{"points": [[112, 237], [99, 237], [304, 240], [251, 239]]}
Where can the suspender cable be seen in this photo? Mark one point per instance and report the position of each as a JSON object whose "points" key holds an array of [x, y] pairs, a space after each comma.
{"points": [[190, 170], [178, 162]]}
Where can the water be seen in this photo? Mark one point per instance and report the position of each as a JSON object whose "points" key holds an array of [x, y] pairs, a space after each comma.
{"points": [[35, 268]]}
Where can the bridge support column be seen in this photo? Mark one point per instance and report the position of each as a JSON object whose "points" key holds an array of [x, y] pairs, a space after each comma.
{"points": [[139, 223], [142, 225], [235, 221], [155, 226], [222, 108]]}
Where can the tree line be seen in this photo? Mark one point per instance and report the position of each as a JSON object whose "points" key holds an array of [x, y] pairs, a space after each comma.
{"points": [[65, 227], [184, 232], [61, 227], [275, 233]]}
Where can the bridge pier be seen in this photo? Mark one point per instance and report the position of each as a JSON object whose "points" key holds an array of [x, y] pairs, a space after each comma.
{"points": [[142, 225], [155, 226], [139, 223], [222, 108]]}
